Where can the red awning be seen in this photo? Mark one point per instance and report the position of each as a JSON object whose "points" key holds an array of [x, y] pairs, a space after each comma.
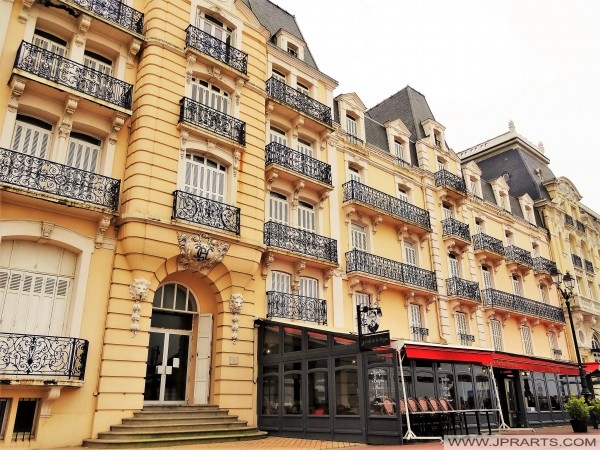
{"points": [[447, 353], [592, 367], [520, 362]]}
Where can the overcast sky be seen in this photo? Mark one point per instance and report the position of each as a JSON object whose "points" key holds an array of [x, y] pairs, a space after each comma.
{"points": [[479, 63]]}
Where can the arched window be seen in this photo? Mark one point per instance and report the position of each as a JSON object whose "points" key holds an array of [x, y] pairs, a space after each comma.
{"points": [[175, 297]]}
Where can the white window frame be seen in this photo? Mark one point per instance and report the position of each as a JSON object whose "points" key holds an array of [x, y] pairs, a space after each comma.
{"points": [[213, 26], [302, 88], [210, 95], [351, 126], [446, 211], [277, 135], [527, 340], [205, 177], [354, 174], [83, 152], [279, 76], [487, 278], [496, 333], [462, 327], [517, 286], [31, 138], [410, 253], [279, 210], [360, 299], [415, 319], [307, 217], [305, 147], [553, 341], [454, 265], [309, 287], [403, 194], [281, 282], [358, 237]]}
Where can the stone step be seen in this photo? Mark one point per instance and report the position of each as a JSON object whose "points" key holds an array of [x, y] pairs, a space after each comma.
{"points": [[170, 441], [168, 431], [149, 408], [151, 420], [177, 426], [172, 415]]}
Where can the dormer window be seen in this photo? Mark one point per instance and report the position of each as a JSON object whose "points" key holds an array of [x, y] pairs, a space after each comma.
{"points": [[437, 138], [302, 88], [278, 75], [441, 164], [292, 50]]}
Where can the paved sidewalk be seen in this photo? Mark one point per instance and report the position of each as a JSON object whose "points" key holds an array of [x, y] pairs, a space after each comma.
{"points": [[282, 443]]}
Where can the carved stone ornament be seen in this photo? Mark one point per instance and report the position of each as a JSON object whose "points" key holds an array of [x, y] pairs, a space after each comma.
{"points": [[199, 252], [138, 289], [236, 302], [47, 228], [17, 88]]}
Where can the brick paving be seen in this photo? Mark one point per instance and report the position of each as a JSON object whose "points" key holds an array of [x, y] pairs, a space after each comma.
{"points": [[282, 443]]}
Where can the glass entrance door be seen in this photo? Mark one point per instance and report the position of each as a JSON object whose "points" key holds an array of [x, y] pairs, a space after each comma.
{"points": [[167, 365], [511, 401]]}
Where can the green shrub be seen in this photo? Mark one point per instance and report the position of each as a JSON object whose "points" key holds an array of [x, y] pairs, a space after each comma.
{"points": [[577, 408]]}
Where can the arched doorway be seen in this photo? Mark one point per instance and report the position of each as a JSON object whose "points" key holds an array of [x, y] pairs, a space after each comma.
{"points": [[179, 347]]}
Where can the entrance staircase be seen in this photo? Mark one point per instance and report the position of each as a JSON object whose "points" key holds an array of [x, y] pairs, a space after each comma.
{"points": [[167, 426]]}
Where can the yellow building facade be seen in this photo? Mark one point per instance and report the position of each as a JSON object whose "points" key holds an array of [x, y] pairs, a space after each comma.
{"points": [[189, 217]]}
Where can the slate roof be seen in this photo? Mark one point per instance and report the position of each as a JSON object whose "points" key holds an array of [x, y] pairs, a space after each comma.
{"points": [[408, 105], [274, 18]]}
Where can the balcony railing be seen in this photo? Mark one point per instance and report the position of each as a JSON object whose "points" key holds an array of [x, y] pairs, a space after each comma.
{"points": [[205, 211], [580, 226], [203, 116], [445, 178], [33, 355], [352, 138], [300, 241], [290, 306], [419, 334], [589, 267], [359, 261], [452, 227], [577, 261], [216, 48], [505, 300], [277, 153], [518, 255], [466, 339], [353, 190], [58, 69], [482, 241], [569, 220], [543, 265], [116, 12], [463, 288], [37, 174], [298, 100]]}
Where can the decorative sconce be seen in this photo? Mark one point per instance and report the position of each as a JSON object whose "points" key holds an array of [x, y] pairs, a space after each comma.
{"points": [[236, 302], [138, 289]]}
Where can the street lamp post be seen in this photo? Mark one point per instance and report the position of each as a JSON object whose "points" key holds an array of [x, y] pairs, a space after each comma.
{"points": [[567, 292]]}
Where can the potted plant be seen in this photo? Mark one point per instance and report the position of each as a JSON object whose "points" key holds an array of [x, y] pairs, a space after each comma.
{"points": [[579, 411], [595, 410]]}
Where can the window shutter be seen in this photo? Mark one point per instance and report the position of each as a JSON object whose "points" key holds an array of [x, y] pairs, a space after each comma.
{"points": [[277, 136], [487, 277], [361, 300], [403, 195], [31, 140], [82, 155], [354, 174], [454, 266], [280, 281], [306, 217], [446, 212], [309, 287], [351, 126], [461, 323], [359, 238], [496, 330], [410, 255], [527, 341], [305, 148], [516, 285], [278, 208]]}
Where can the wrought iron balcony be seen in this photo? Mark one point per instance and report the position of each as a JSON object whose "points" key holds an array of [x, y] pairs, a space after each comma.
{"points": [[116, 12], [37, 174], [569, 220], [205, 211], [482, 241], [64, 72], [589, 267], [454, 228], [215, 48], [354, 190], [298, 100], [463, 288], [512, 302], [359, 261], [300, 241], [518, 255], [577, 261], [33, 355], [354, 140], [466, 339], [543, 265], [277, 153], [290, 306], [203, 116], [419, 334], [448, 179], [580, 226]]}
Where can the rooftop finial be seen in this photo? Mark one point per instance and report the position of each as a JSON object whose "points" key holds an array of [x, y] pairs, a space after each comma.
{"points": [[511, 126], [541, 147]]}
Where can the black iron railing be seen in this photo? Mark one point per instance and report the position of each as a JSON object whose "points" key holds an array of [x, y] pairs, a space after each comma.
{"points": [[58, 69], [577, 261], [27, 354], [298, 100], [589, 267], [466, 339], [543, 265], [300, 241], [569, 220], [505, 300], [354, 140], [518, 255], [203, 116], [290, 306], [445, 178], [580, 226], [482, 241], [463, 288], [19, 169], [419, 334], [206, 212], [452, 227], [216, 48], [116, 12], [354, 190], [557, 352], [276, 153], [359, 261]]}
